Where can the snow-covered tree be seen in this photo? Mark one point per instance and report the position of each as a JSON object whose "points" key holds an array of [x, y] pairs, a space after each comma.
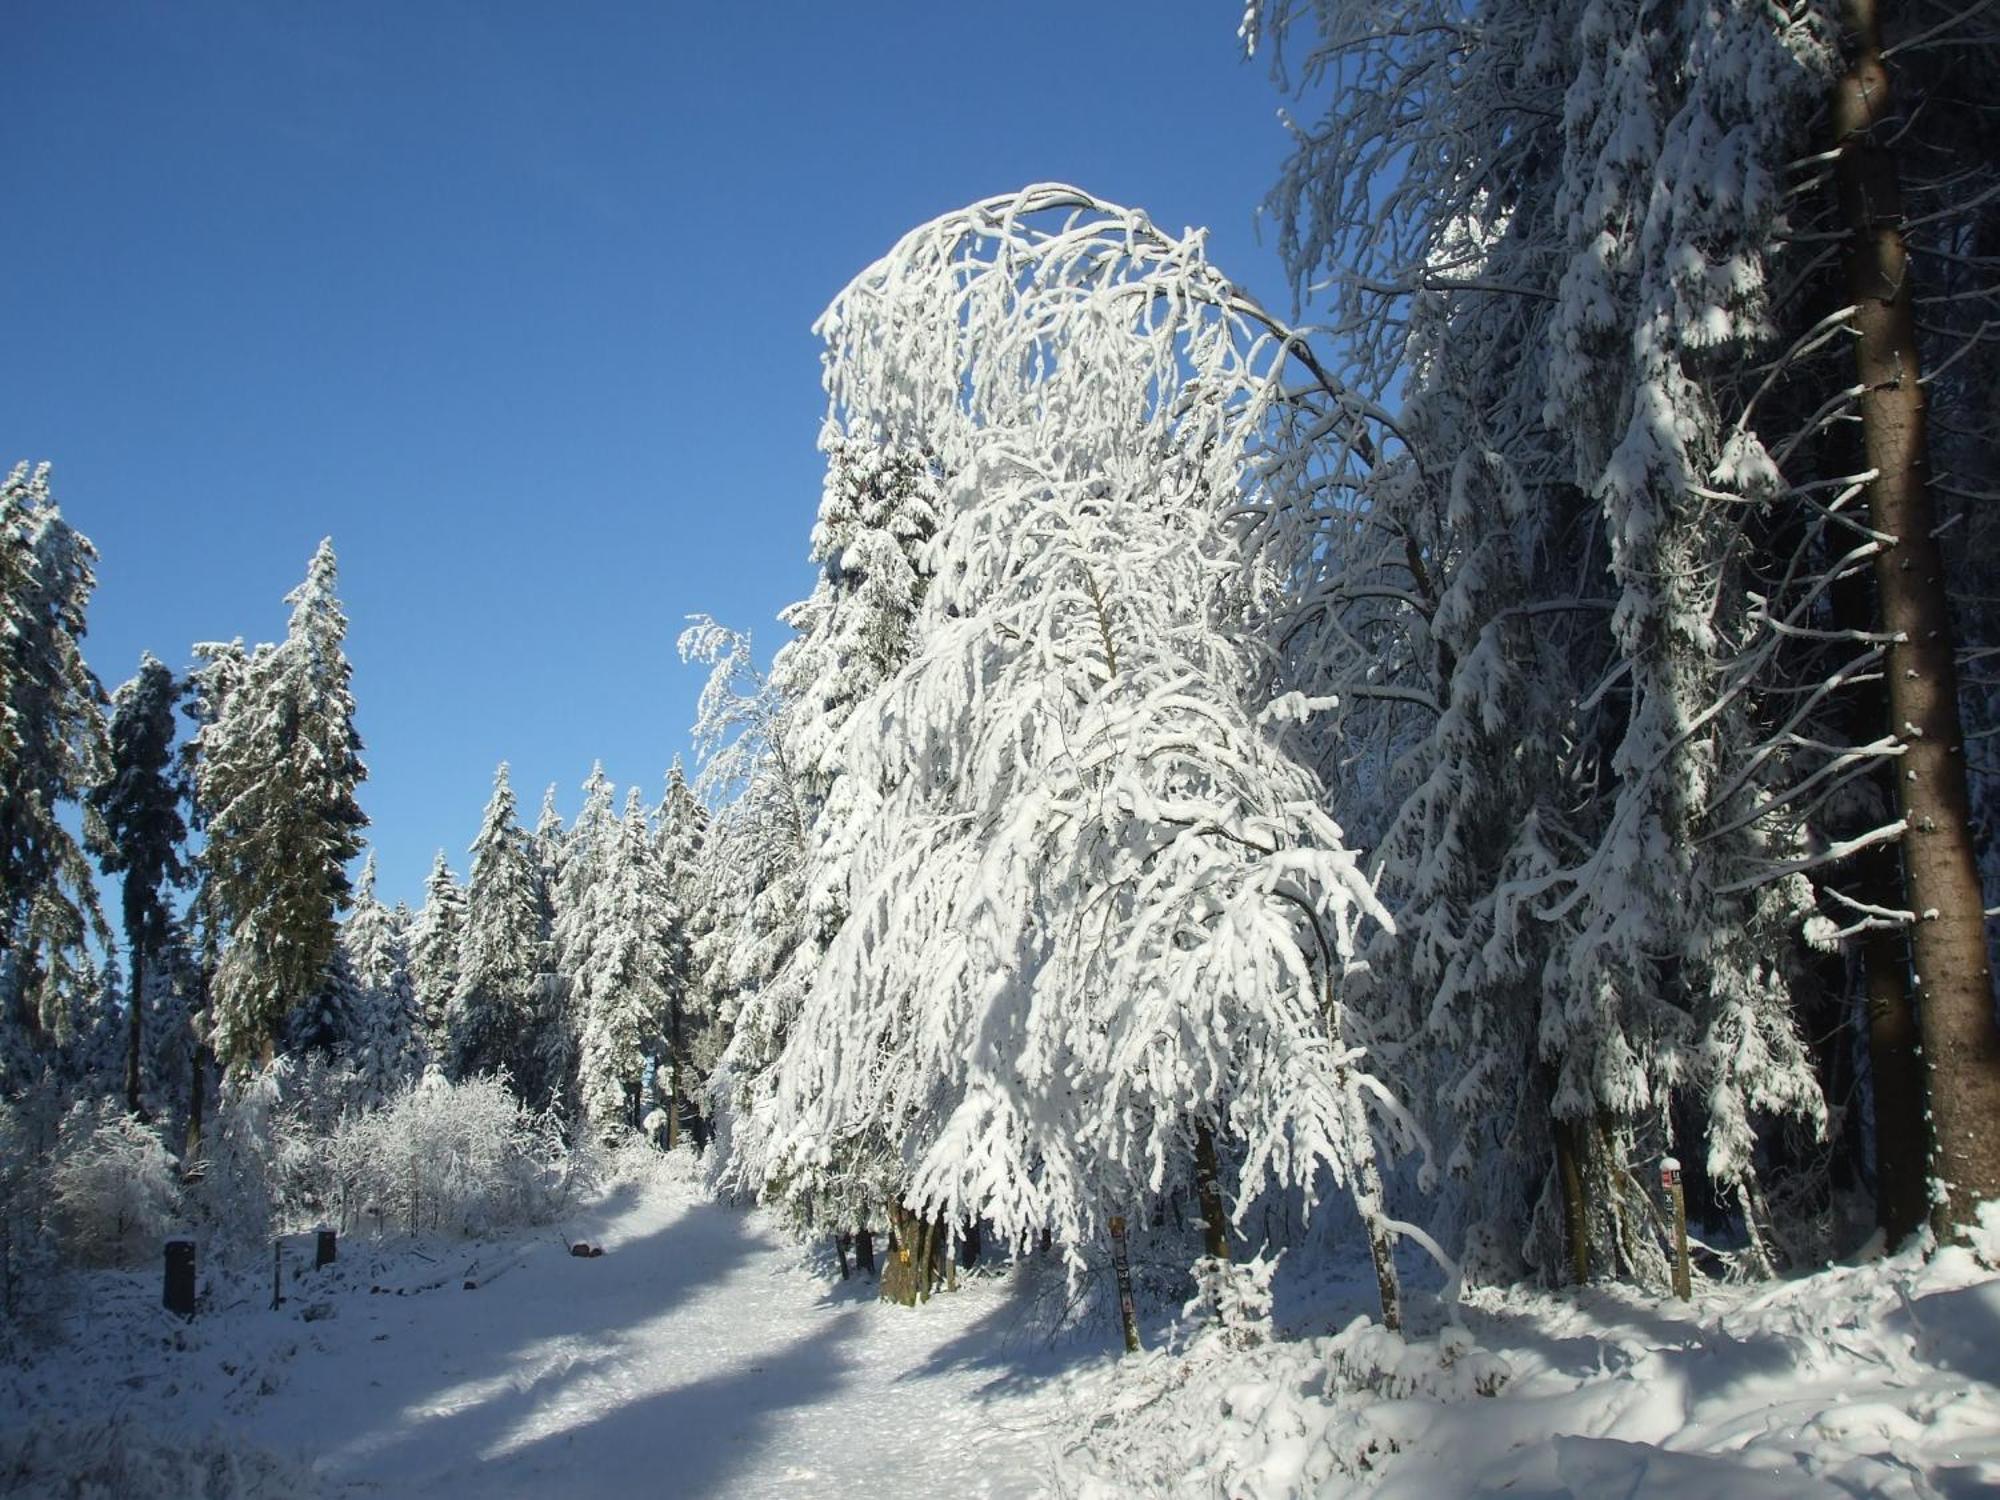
{"points": [[496, 1018], [434, 941], [689, 1049], [276, 766], [52, 748], [143, 833], [613, 937], [1100, 916], [385, 1050]]}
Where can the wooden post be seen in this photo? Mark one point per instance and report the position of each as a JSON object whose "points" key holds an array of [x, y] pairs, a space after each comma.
{"points": [[1121, 1266], [277, 1274], [864, 1249], [323, 1248], [840, 1249], [1670, 1179], [178, 1295]]}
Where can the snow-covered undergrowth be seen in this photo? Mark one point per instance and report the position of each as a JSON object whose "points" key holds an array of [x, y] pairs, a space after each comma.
{"points": [[1880, 1378], [115, 1458]]}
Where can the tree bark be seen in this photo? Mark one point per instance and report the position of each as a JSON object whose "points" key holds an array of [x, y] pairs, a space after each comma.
{"points": [[136, 1027], [1952, 982], [1895, 1053], [1208, 1190], [1576, 1205]]}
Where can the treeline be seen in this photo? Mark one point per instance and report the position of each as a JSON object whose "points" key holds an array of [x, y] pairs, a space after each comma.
{"points": [[220, 806]]}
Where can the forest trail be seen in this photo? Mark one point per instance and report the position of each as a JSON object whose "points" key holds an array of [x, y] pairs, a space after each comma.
{"points": [[697, 1356]]}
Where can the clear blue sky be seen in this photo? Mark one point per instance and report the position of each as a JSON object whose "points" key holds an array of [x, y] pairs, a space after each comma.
{"points": [[514, 301]]}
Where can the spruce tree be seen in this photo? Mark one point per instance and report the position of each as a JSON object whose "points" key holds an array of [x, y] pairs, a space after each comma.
{"points": [[384, 1048], [496, 1019], [435, 937], [52, 748], [276, 769], [615, 934], [143, 833]]}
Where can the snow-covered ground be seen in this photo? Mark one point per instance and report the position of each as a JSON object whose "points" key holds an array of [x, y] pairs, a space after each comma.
{"points": [[697, 1356], [702, 1355]]}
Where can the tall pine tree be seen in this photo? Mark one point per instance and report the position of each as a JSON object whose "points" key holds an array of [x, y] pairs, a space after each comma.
{"points": [[143, 834], [275, 774]]}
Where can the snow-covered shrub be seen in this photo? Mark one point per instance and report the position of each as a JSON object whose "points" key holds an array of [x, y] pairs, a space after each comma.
{"points": [[458, 1158], [1277, 1418], [245, 1157], [1236, 1296], [113, 1185], [118, 1459]]}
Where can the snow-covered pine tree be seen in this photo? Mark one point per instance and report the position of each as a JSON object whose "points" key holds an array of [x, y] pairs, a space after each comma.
{"points": [[614, 940], [434, 942], [143, 834], [1624, 529], [879, 510], [755, 861], [52, 748], [680, 828], [1100, 915], [277, 762], [496, 1018], [385, 1048]]}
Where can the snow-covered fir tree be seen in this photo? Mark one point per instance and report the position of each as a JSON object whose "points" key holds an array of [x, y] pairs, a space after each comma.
{"points": [[52, 748], [496, 1019], [434, 941], [385, 1049], [277, 762], [143, 834], [614, 940], [690, 1047]]}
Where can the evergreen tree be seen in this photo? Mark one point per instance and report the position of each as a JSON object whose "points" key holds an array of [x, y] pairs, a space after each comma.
{"points": [[385, 1048], [496, 1020], [52, 749], [276, 769], [615, 942], [691, 1044], [435, 938], [143, 834]]}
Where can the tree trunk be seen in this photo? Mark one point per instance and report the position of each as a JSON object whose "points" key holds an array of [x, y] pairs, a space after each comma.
{"points": [[916, 1258], [1895, 1054], [673, 1098], [136, 1030], [1208, 1190], [197, 1097], [1953, 985], [1576, 1206]]}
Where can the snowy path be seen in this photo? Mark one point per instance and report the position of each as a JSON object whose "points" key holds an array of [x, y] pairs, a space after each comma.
{"points": [[696, 1357]]}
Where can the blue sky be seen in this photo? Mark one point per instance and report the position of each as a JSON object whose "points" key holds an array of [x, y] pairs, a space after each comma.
{"points": [[514, 301]]}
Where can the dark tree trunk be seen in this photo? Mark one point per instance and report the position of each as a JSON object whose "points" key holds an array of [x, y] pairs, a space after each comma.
{"points": [[916, 1258], [136, 1027], [1576, 1205], [197, 1096], [1895, 1056], [1208, 1191], [1953, 984]]}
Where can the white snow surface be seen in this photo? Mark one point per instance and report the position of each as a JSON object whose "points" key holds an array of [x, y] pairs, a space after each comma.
{"points": [[699, 1355], [702, 1354]]}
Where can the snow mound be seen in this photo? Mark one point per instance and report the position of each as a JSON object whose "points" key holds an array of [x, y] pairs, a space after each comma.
{"points": [[1874, 1379]]}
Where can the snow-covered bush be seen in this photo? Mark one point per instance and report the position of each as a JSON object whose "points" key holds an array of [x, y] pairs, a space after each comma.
{"points": [[116, 1458], [458, 1158], [1278, 1418], [112, 1183]]}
